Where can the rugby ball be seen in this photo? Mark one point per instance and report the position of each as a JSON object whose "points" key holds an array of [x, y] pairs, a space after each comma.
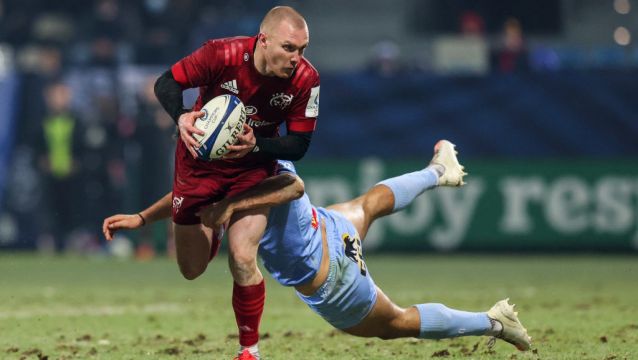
{"points": [[223, 121]]}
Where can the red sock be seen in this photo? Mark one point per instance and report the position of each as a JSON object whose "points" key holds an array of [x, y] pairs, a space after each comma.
{"points": [[248, 303]]}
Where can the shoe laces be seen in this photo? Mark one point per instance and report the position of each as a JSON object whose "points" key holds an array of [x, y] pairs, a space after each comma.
{"points": [[492, 340]]}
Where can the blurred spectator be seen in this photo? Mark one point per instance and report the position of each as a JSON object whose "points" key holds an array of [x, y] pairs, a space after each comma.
{"points": [[53, 28], [110, 28], [59, 162], [544, 58], [511, 53], [103, 179], [155, 135], [472, 24], [16, 18], [45, 62], [386, 59], [104, 176], [219, 19], [165, 25], [209, 25]]}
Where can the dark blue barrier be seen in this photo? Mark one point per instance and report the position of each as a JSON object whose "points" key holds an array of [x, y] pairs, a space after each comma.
{"points": [[8, 89], [566, 114]]}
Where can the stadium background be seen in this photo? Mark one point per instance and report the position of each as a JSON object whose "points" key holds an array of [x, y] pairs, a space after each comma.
{"points": [[539, 96]]}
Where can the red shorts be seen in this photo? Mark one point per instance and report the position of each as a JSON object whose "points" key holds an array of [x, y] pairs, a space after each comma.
{"points": [[198, 183]]}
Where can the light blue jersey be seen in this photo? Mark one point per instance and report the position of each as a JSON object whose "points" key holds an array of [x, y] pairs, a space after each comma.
{"points": [[291, 250], [291, 246]]}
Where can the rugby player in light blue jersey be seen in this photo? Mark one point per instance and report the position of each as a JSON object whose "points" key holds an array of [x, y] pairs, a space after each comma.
{"points": [[318, 251]]}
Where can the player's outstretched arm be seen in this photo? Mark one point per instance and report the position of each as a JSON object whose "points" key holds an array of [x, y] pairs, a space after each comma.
{"points": [[273, 191], [120, 222], [159, 210]]}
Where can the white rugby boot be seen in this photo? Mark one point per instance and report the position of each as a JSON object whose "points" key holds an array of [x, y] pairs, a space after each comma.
{"points": [[445, 155], [513, 331]]}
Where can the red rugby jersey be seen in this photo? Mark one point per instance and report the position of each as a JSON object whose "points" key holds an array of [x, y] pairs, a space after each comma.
{"points": [[225, 66]]}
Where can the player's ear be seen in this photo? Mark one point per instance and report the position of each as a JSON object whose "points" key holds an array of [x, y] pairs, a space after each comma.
{"points": [[261, 39]]}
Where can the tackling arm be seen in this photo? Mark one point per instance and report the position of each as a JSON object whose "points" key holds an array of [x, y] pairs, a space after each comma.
{"points": [[273, 191], [159, 210]]}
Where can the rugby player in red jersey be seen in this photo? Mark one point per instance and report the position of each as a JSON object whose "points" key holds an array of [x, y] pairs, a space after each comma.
{"points": [[277, 86]]}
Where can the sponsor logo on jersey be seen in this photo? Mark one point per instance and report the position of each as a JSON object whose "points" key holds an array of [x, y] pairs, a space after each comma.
{"points": [[315, 221], [353, 251], [281, 100], [312, 109], [251, 110], [231, 86], [177, 203], [257, 123]]}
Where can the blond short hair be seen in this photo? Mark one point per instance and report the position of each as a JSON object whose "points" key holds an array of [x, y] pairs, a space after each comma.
{"points": [[279, 14]]}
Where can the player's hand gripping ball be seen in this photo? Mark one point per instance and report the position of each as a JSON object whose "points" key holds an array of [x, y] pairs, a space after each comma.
{"points": [[223, 121]]}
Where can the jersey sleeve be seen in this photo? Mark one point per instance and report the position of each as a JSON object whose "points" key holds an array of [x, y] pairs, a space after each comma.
{"points": [[285, 166], [199, 68], [305, 109]]}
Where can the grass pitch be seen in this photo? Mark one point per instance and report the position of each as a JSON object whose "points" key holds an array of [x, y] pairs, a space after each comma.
{"points": [[581, 307]]}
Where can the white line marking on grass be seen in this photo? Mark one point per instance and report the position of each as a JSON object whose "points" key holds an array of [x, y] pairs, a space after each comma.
{"points": [[107, 310]]}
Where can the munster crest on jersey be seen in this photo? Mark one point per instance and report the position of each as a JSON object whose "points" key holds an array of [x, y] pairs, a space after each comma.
{"points": [[177, 203], [280, 100]]}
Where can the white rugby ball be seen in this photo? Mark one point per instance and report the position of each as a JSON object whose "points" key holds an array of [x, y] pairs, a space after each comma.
{"points": [[223, 121]]}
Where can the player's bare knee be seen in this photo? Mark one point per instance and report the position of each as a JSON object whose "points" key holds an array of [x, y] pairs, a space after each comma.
{"points": [[243, 257], [243, 261]]}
